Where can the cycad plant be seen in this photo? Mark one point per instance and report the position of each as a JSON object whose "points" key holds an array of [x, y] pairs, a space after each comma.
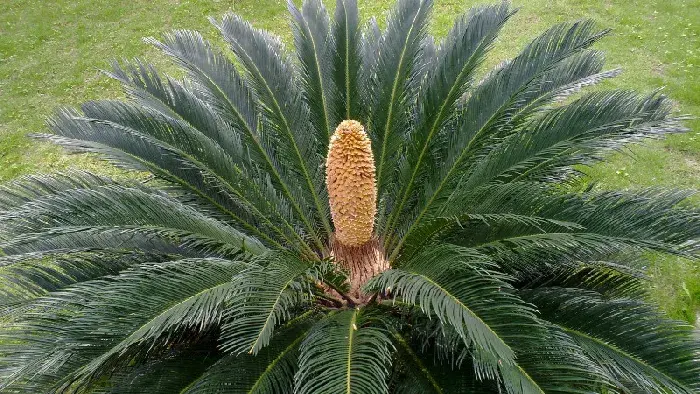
{"points": [[369, 213]]}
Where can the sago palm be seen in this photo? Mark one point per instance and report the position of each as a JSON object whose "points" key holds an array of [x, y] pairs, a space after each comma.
{"points": [[370, 213]]}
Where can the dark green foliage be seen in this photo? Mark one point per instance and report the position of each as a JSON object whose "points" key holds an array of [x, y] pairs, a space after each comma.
{"points": [[344, 353], [213, 274]]}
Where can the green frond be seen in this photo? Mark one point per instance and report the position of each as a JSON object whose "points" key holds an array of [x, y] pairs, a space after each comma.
{"points": [[216, 78], [174, 133], [342, 355], [349, 64], [172, 372], [392, 83], [454, 284], [653, 213], [448, 79], [553, 363], [494, 103], [314, 46], [619, 276], [510, 89], [73, 337], [150, 240], [179, 102], [136, 208], [269, 371], [29, 187], [136, 150], [526, 255], [413, 376], [548, 148], [247, 189], [417, 371], [547, 361], [24, 277], [273, 79], [370, 36], [234, 100], [267, 292], [487, 223], [638, 347], [602, 223]]}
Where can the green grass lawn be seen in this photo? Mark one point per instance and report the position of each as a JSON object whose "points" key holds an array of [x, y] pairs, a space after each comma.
{"points": [[51, 53]]}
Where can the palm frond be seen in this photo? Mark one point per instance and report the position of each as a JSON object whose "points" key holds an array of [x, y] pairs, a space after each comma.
{"points": [[420, 372], [348, 61], [75, 336], [134, 150], [486, 223], [182, 103], [248, 191], [29, 187], [172, 372], [267, 292], [553, 363], [216, 78], [24, 277], [370, 36], [341, 355], [179, 102], [448, 79], [225, 90], [576, 134], [526, 79], [620, 275], [393, 83], [495, 102], [451, 283], [314, 46], [525, 256], [269, 371], [602, 223], [110, 206], [472, 369], [638, 347], [547, 360], [272, 77]]}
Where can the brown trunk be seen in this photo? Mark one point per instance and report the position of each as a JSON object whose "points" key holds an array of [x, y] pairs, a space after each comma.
{"points": [[362, 262]]}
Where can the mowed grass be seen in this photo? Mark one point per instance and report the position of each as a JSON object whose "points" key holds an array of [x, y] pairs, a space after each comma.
{"points": [[51, 54]]}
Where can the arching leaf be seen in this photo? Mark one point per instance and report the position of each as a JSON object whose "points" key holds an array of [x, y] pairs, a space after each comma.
{"points": [[267, 292], [340, 355]]}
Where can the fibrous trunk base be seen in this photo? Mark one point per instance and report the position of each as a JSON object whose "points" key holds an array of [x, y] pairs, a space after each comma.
{"points": [[362, 262]]}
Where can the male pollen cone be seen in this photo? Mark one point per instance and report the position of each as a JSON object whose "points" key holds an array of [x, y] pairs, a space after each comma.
{"points": [[351, 186]]}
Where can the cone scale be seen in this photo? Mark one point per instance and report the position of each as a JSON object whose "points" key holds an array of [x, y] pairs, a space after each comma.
{"points": [[352, 194]]}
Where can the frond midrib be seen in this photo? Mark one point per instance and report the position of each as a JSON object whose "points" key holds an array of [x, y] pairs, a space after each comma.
{"points": [[351, 336]]}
